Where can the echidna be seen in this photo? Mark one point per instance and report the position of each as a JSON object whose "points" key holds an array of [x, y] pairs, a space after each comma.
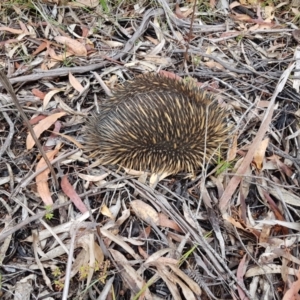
{"points": [[158, 123]]}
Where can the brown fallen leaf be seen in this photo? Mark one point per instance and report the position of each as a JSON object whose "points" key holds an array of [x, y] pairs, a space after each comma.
{"points": [[166, 222], [77, 47], [259, 154], [72, 194], [233, 148], [145, 212], [214, 65], [42, 178], [49, 96], [38, 93], [55, 57], [106, 212], [178, 12], [52, 139], [75, 83], [130, 275], [11, 30], [240, 276], [41, 127], [36, 119], [293, 292], [40, 48]]}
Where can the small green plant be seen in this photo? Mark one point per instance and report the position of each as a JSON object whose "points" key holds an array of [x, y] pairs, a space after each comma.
{"points": [[185, 256], [104, 6], [239, 37], [56, 272], [196, 60], [68, 62], [222, 166], [203, 6], [49, 212], [84, 272], [58, 285]]}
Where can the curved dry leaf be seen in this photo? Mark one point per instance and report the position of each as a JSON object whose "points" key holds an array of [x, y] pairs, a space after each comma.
{"points": [[42, 179], [76, 47], [178, 12], [170, 281], [114, 44], [293, 292], [72, 194], [285, 196], [75, 83], [38, 93], [268, 269], [187, 293], [11, 30], [120, 241], [151, 260], [92, 177], [49, 96], [125, 215], [129, 274], [145, 212], [233, 149], [259, 153], [214, 65], [59, 57], [190, 282], [106, 212], [166, 222], [41, 127]]}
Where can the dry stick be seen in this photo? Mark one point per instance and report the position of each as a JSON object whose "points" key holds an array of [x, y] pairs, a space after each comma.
{"points": [[5, 233], [199, 28], [190, 33], [7, 85], [84, 69], [235, 180], [10, 135]]}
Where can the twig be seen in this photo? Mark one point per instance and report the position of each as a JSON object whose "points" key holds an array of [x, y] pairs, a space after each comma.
{"points": [[4, 234], [10, 135], [190, 33], [7, 85], [79, 70], [235, 180]]}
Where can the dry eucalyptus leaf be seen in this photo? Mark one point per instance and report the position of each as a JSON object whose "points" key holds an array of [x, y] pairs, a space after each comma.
{"points": [[259, 154], [42, 178], [49, 96], [145, 212], [41, 127], [77, 47], [75, 83]]}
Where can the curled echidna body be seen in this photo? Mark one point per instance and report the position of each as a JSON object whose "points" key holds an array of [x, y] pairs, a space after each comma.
{"points": [[158, 123]]}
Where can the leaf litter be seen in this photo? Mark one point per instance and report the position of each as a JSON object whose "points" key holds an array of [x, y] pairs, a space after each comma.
{"points": [[230, 232]]}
